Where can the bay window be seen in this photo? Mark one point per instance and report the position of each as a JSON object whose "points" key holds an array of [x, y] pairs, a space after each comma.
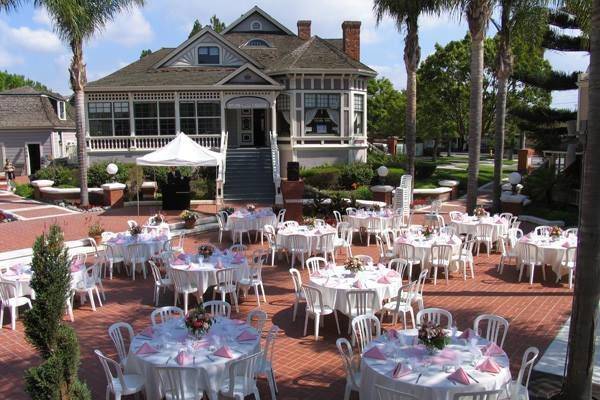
{"points": [[109, 118], [322, 113], [283, 115], [359, 114]]}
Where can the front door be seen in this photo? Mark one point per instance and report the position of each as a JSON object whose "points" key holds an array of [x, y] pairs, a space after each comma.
{"points": [[260, 124], [35, 157], [246, 127]]}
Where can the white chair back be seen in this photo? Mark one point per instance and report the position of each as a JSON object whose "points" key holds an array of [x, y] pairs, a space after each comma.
{"points": [[361, 302], [542, 230], [528, 253], [455, 216], [327, 243], [362, 328], [496, 328], [226, 277], [218, 308], [299, 243], [514, 234], [572, 232], [222, 219], [181, 280], [406, 251], [350, 211], [178, 383], [112, 370], [281, 216], [120, 333], [270, 344], [238, 249], [164, 314], [131, 223], [297, 279], [320, 222], [506, 216], [529, 357], [440, 254], [483, 395], [314, 264], [347, 356], [399, 265], [314, 298], [338, 217], [435, 316], [484, 231], [242, 375], [290, 224], [384, 393], [366, 260], [257, 319], [344, 232]]}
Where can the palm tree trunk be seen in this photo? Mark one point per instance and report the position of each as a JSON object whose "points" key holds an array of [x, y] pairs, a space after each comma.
{"points": [[580, 364], [412, 56], [78, 81], [475, 115], [499, 140]]}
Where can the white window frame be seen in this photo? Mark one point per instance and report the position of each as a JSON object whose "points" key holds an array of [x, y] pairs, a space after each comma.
{"points": [[209, 45], [259, 25], [61, 110]]}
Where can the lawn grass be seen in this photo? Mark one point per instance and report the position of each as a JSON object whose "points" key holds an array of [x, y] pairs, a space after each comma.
{"points": [[486, 174]]}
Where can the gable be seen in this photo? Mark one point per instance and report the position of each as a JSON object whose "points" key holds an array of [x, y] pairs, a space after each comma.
{"points": [[257, 21], [248, 75]]}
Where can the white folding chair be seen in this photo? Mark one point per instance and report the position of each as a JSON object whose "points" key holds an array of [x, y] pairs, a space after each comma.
{"points": [[351, 366], [440, 257], [344, 238], [326, 245], [121, 334], [484, 235], [164, 314], [542, 230], [399, 265], [218, 308], [418, 295], [89, 285], [435, 316], [384, 393], [299, 247], [182, 286], [226, 285], [360, 302], [9, 299], [118, 383], [320, 222], [290, 224], [482, 395], [407, 252], [374, 227], [314, 264], [269, 232], [338, 217], [265, 364], [281, 216], [241, 381], [251, 277], [402, 303], [529, 255], [518, 388], [496, 328], [350, 211], [179, 383], [257, 318], [508, 247], [384, 253], [362, 330], [222, 221], [238, 248], [455, 216], [572, 232], [316, 309], [113, 257], [176, 243], [568, 262], [366, 260], [298, 292], [159, 282], [464, 258], [136, 254]]}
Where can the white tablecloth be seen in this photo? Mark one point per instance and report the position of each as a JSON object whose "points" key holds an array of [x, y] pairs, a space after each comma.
{"points": [[361, 220], [336, 283], [423, 246], [468, 225], [550, 252], [152, 244], [241, 220], [172, 337], [23, 279], [433, 384], [205, 275], [314, 235]]}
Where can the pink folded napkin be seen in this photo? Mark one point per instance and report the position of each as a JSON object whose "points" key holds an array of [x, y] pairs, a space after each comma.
{"points": [[224, 352], [489, 365], [525, 239], [498, 221], [183, 358], [392, 274], [148, 332], [357, 284], [450, 241], [146, 349], [244, 336], [76, 267], [178, 261], [566, 245], [375, 353], [201, 344], [468, 334], [384, 280], [492, 349], [459, 376], [400, 371], [120, 241], [401, 240], [219, 265]]}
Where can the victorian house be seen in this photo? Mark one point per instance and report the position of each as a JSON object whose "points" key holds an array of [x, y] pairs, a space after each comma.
{"points": [[257, 92]]}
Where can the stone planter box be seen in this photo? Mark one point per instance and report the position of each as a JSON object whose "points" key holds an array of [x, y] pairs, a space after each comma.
{"points": [[149, 190], [382, 193], [452, 185], [440, 193], [50, 194]]}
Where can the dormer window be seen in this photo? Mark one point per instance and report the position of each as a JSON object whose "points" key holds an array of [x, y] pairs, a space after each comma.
{"points": [[208, 55], [256, 26], [62, 113], [257, 43]]}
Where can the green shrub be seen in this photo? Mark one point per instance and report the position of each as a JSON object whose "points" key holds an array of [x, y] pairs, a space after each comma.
{"points": [[24, 190], [203, 189], [61, 175], [424, 169], [362, 193], [377, 159], [324, 177], [97, 175], [393, 177], [357, 174]]}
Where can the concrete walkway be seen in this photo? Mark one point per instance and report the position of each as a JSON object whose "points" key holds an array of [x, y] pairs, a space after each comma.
{"points": [[29, 209]]}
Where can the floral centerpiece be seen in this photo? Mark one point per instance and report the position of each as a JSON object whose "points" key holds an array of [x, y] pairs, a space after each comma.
{"points": [[555, 232], [479, 212], [157, 219], [353, 265], [198, 321], [427, 231], [135, 230], [433, 336], [228, 210], [250, 207], [205, 250], [189, 217], [308, 222]]}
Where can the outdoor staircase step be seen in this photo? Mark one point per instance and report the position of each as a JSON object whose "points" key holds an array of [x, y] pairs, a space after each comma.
{"points": [[248, 175]]}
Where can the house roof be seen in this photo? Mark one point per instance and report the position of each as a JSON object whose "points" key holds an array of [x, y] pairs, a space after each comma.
{"points": [[257, 10], [25, 107]]}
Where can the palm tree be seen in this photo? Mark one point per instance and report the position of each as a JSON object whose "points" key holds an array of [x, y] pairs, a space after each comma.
{"points": [[406, 14], [478, 13], [517, 17], [76, 21]]}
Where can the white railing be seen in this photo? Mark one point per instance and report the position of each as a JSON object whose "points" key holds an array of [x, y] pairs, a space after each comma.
{"points": [[327, 140], [221, 168], [223, 150], [276, 167], [143, 143]]}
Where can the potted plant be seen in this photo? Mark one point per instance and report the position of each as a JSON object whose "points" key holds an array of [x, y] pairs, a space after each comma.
{"points": [[157, 219], [95, 231], [555, 232], [250, 207], [479, 212], [135, 230], [189, 217]]}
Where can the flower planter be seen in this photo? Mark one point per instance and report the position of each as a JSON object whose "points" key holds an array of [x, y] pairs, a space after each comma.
{"points": [[189, 224]]}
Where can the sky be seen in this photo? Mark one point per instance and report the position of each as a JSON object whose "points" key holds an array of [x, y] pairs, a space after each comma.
{"points": [[29, 46]]}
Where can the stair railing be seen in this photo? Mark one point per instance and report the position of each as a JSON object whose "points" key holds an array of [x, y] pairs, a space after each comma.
{"points": [[276, 167], [221, 170]]}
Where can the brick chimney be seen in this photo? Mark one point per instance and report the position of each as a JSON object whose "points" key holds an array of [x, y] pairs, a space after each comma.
{"points": [[351, 39], [304, 29]]}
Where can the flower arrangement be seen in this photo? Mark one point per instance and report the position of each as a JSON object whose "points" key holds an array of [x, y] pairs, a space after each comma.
{"points": [[6, 217], [555, 232], [353, 265], [188, 215], [135, 230], [198, 321], [309, 222], [228, 210], [479, 212], [433, 336], [250, 207], [157, 219], [95, 230], [205, 250], [427, 231]]}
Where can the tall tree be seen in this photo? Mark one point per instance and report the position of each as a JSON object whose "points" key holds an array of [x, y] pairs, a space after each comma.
{"points": [[11, 81], [478, 13], [197, 27], [145, 52], [216, 24], [517, 17], [406, 15], [386, 108]]}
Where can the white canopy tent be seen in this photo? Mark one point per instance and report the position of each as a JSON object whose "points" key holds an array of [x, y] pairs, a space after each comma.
{"points": [[180, 152]]}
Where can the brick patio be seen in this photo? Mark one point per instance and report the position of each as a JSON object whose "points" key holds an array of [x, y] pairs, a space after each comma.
{"points": [[305, 369]]}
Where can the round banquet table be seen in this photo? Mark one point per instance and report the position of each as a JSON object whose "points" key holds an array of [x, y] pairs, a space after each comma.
{"points": [[172, 337], [550, 252], [335, 283], [152, 244], [21, 277], [314, 235], [468, 225], [432, 385], [204, 275], [361, 219], [423, 246], [242, 220]]}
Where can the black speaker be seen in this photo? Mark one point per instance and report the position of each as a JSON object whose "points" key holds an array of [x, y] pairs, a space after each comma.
{"points": [[293, 171]]}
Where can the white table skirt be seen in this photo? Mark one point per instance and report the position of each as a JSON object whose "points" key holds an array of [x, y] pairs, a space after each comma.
{"points": [[469, 227], [250, 222], [335, 287], [314, 236], [423, 248], [550, 253], [433, 384], [22, 281], [214, 370], [151, 246], [362, 221], [205, 275]]}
